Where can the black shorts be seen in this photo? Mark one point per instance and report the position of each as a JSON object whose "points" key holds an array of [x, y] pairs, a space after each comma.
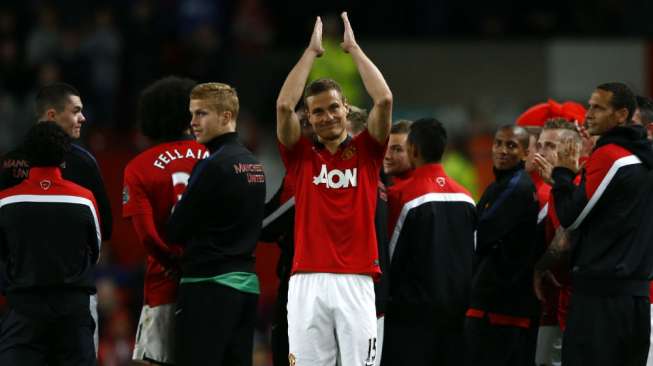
{"points": [[214, 325], [47, 339]]}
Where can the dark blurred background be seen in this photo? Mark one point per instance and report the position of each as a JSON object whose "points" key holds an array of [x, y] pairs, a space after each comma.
{"points": [[473, 65]]}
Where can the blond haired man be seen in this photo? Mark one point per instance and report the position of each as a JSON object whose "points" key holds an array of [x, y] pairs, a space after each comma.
{"points": [[218, 221]]}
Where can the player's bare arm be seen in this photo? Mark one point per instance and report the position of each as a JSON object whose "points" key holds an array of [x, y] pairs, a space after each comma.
{"points": [[380, 118], [557, 251], [288, 127]]}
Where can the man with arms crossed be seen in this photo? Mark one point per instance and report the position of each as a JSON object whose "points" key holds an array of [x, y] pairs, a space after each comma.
{"points": [[154, 181], [331, 293]]}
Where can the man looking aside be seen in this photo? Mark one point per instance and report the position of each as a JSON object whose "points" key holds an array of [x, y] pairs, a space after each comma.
{"points": [[396, 163], [331, 294], [154, 181], [610, 234], [218, 221]]}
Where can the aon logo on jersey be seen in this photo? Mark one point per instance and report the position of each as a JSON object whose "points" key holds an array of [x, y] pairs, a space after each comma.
{"points": [[336, 178]]}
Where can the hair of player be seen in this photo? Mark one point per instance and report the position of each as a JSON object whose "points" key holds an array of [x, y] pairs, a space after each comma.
{"points": [[622, 97], [53, 95], [568, 129], [222, 97], [522, 135], [402, 126], [320, 86], [558, 123], [429, 137], [357, 118], [46, 144], [645, 106], [163, 108]]}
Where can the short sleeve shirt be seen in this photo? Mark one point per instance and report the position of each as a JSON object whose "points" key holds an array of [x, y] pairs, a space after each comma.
{"points": [[335, 203]]}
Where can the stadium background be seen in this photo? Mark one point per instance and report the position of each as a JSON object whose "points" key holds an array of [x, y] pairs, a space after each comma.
{"points": [[472, 65]]}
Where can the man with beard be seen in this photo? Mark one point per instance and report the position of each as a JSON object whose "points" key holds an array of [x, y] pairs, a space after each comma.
{"points": [[610, 234]]}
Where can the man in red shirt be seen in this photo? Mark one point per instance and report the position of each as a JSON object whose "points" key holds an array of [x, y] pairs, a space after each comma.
{"points": [[331, 307], [154, 181]]}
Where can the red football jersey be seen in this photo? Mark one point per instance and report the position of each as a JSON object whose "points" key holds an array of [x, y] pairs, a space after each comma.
{"points": [[153, 182], [335, 202]]}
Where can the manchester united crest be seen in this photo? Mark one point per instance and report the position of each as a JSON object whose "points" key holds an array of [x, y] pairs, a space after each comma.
{"points": [[349, 153]]}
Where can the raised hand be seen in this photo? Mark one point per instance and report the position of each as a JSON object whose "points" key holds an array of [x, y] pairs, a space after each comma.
{"points": [[544, 168], [568, 154], [348, 40], [588, 141], [316, 38]]}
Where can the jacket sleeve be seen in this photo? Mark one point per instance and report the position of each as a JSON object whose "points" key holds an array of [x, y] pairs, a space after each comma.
{"points": [[279, 216], [191, 209], [100, 193], [569, 199]]}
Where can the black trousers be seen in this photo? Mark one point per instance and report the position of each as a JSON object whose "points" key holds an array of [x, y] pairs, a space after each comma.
{"points": [[496, 345], [47, 339], [415, 335], [279, 333], [607, 331], [214, 325]]}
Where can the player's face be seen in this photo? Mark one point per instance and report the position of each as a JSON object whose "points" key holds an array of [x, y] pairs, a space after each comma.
{"points": [[507, 153], [71, 118], [601, 115], [547, 145], [396, 160], [207, 123], [327, 113]]}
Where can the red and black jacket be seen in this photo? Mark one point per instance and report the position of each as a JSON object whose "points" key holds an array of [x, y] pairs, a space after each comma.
{"points": [[49, 234], [432, 221], [608, 215]]}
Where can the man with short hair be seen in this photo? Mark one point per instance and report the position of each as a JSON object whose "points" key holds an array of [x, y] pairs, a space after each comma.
{"points": [[218, 221], [502, 318], [49, 242], [396, 163], [610, 254], [431, 249], [61, 103], [331, 306], [154, 181]]}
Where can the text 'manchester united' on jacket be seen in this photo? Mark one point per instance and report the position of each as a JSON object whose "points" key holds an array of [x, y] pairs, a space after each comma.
{"points": [[49, 234], [506, 251], [218, 218], [608, 215], [432, 222]]}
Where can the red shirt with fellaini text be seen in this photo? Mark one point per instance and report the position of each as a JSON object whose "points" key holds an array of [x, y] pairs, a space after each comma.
{"points": [[154, 181]]}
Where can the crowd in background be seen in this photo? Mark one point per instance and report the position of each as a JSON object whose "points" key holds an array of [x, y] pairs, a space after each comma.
{"points": [[111, 50]]}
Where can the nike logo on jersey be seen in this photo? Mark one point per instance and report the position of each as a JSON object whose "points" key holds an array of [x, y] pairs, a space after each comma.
{"points": [[336, 178]]}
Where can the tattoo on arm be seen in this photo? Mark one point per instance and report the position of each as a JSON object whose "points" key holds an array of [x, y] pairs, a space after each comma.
{"points": [[557, 251]]}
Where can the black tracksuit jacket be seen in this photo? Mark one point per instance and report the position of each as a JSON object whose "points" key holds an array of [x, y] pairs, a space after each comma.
{"points": [[506, 246], [609, 215], [218, 218]]}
